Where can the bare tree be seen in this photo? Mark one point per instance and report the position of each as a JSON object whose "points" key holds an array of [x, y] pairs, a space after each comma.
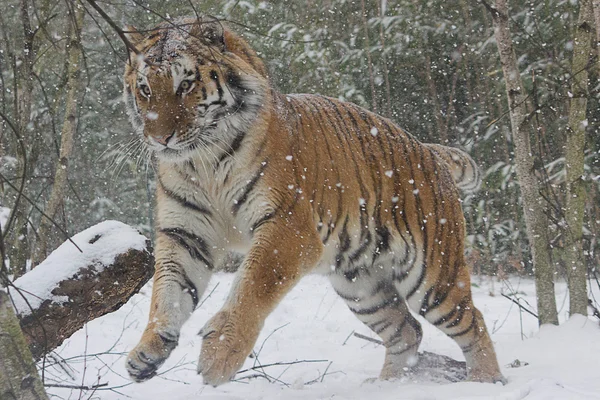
{"points": [[574, 160], [76, 14], [368, 52], [23, 68], [533, 204], [19, 378]]}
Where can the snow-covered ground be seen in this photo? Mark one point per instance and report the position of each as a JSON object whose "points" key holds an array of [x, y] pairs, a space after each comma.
{"points": [[312, 323]]}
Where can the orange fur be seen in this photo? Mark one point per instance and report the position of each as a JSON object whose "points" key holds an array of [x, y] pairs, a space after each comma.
{"points": [[304, 184]]}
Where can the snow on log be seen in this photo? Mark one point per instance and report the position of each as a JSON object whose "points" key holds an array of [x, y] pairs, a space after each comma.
{"points": [[72, 287]]}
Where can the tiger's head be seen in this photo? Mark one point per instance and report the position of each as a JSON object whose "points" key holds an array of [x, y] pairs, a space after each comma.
{"points": [[193, 85]]}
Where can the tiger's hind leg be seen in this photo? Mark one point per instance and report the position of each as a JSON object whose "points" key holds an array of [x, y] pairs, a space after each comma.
{"points": [[458, 318], [379, 306]]}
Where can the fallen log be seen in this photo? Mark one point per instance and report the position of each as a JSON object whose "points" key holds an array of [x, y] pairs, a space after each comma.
{"points": [[72, 287]]}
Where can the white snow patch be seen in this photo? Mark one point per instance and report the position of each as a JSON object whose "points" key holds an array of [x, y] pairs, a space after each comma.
{"points": [[389, 173], [4, 214], [114, 238], [374, 131]]}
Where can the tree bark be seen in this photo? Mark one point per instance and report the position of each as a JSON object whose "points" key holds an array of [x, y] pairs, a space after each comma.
{"points": [[67, 135], [574, 160], [23, 102], [596, 7], [91, 294], [19, 378], [442, 131], [386, 78], [533, 205], [369, 60]]}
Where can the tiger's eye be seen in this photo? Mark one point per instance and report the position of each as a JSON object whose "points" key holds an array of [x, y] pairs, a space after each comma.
{"points": [[145, 89], [185, 85]]}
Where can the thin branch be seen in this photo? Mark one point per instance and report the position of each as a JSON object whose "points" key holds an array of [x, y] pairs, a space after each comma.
{"points": [[368, 339], [520, 305], [65, 233]]}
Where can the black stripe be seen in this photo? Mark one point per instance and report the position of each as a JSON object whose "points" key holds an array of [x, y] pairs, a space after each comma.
{"points": [[354, 299], [192, 290], [397, 353], [316, 118], [170, 271], [194, 244], [265, 218], [372, 310], [362, 248], [460, 310], [233, 147], [425, 308], [472, 325], [445, 317], [344, 243], [215, 77], [249, 187], [397, 335], [383, 327], [423, 227], [183, 202]]}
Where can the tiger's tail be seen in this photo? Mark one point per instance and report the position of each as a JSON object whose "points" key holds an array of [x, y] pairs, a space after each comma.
{"points": [[465, 171]]}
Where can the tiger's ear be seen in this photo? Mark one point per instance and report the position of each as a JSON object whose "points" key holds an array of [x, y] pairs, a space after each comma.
{"points": [[133, 35], [210, 30]]}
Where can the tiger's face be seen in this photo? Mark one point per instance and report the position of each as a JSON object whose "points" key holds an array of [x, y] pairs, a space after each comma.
{"points": [[191, 88]]}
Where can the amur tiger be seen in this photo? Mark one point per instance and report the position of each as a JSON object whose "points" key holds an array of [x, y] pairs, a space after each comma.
{"points": [[278, 186]]}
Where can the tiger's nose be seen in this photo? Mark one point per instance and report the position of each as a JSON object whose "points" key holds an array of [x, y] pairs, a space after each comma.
{"points": [[164, 139]]}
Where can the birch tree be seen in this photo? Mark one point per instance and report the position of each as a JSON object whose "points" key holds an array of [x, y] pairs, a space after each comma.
{"points": [[574, 160], [533, 205]]}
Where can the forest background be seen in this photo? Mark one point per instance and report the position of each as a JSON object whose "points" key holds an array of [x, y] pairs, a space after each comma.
{"points": [[433, 67]]}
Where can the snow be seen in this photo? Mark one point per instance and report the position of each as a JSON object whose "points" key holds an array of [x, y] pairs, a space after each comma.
{"points": [[312, 323], [114, 238], [4, 214]]}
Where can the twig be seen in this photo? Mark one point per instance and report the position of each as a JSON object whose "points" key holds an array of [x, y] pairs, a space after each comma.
{"points": [[80, 387], [368, 339], [258, 367], [347, 337], [326, 369], [113, 25], [206, 298], [43, 213], [596, 312], [520, 305]]}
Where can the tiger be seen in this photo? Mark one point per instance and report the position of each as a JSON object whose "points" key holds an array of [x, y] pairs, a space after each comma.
{"points": [[276, 186]]}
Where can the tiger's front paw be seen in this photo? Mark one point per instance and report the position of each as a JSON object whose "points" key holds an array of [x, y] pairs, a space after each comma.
{"points": [[225, 345], [152, 351]]}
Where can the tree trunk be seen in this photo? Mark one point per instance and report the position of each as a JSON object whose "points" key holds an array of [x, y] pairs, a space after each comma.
{"points": [[386, 77], [24, 72], [369, 60], [574, 160], [442, 131], [19, 378], [596, 7], [67, 135], [533, 205]]}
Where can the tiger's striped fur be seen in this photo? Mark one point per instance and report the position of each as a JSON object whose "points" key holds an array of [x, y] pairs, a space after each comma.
{"points": [[278, 186]]}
